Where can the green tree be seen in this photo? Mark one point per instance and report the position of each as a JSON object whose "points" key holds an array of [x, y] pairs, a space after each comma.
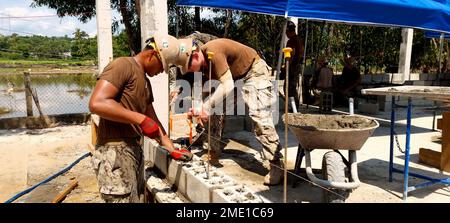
{"points": [[85, 10]]}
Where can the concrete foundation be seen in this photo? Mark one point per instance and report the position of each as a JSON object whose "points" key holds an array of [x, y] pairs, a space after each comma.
{"points": [[190, 179]]}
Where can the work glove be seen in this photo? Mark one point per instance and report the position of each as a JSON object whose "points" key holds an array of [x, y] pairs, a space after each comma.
{"points": [[149, 128], [181, 154]]}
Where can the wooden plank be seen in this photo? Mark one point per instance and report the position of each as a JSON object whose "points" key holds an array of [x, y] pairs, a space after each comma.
{"points": [[445, 158], [93, 133], [65, 192], [28, 97], [430, 157], [430, 92], [439, 123]]}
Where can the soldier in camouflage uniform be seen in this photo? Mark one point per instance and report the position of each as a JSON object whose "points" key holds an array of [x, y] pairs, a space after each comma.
{"points": [[217, 120], [233, 61]]}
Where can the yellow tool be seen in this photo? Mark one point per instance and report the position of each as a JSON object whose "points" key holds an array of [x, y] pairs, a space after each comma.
{"points": [[210, 57], [189, 120], [170, 121], [287, 56], [287, 52]]}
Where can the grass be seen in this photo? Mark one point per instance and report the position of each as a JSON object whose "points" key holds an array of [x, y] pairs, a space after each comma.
{"points": [[56, 62]]}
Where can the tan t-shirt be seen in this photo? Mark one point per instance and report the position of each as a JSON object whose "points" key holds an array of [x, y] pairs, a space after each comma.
{"points": [[229, 54], [135, 94]]}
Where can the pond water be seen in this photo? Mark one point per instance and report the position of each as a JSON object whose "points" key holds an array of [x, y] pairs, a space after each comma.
{"points": [[57, 94]]}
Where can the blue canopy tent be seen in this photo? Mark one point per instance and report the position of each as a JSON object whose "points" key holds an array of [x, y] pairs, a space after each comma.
{"points": [[421, 14], [433, 15], [430, 35]]}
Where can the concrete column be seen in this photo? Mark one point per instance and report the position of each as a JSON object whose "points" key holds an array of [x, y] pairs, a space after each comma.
{"points": [[154, 19], [104, 33], [405, 53]]}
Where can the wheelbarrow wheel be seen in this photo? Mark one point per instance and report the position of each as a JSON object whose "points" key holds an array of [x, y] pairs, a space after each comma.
{"points": [[333, 169]]}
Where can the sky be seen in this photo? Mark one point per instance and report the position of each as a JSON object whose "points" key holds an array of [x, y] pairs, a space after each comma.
{"points": [[45, 26]]}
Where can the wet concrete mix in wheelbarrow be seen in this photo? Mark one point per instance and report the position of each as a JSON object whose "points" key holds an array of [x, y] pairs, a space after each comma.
{"points": [[330, 121]]}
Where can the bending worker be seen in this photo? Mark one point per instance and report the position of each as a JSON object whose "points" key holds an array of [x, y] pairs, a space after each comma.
{"points": [[233, 61], [123, 99]]}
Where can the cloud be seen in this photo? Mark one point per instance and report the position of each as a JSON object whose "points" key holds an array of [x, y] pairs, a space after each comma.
{"points": [[46, 26]]}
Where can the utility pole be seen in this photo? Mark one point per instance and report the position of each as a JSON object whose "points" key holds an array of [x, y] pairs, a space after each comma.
{"points": [[104, 33], [154, 19], [405, 54]]}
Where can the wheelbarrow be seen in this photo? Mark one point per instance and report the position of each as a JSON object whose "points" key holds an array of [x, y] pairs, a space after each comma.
{"points": [[347, 134]]}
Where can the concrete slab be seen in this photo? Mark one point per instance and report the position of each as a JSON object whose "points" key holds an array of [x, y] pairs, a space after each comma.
{"points": [[199, 188]]}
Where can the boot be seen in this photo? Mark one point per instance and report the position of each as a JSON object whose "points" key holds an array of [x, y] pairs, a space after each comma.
{"points": [[275, 175], [214, 158]]}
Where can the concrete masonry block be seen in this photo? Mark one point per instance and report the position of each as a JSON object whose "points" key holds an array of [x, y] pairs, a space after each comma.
{"points": [[176, 172], [366, 79], [377, 78], [419, 83], [433, 77], [160, 158], [149, 148], [422, 83], [176, 175], [161, 190], [445, 83], [368, 108], [413, 77], [424, 77], [383, 98], [235, 194], [386, 78], [384, 106], [447, 76], [146, 153], [199, 189]]}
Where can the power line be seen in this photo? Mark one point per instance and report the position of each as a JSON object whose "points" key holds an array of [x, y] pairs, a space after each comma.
{"points": [[27, 17], [16, 31]]}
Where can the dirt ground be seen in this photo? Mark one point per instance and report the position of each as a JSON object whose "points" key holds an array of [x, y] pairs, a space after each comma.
{"points": [[29, 156]]}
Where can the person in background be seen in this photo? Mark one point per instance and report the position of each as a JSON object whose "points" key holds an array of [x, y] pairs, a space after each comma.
{"points": [[323, 78], [349, 83], [295, 63]]}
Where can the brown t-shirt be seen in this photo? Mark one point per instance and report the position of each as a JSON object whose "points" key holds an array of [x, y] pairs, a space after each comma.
{"points": [[229, 54], [135, 94]]}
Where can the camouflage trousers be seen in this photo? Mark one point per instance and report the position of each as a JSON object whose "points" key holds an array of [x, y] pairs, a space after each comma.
{"points": [[119, 168], [259, 95]]}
